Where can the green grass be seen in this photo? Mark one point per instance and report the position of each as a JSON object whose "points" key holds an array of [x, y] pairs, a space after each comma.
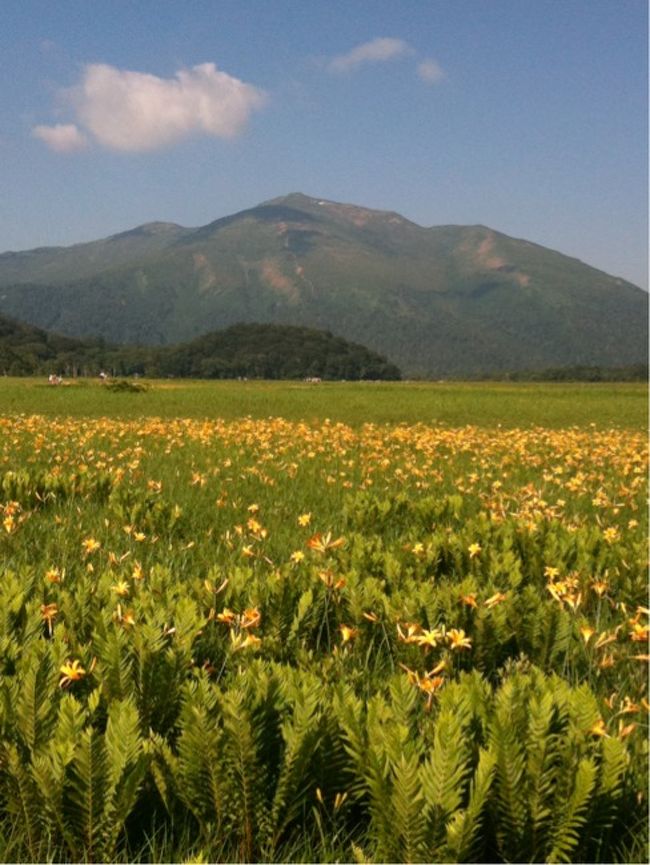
{"points": [[450, 403]]}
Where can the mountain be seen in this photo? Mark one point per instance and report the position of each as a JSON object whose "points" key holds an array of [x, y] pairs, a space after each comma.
{"points": [[447, 300], [251, 350]]}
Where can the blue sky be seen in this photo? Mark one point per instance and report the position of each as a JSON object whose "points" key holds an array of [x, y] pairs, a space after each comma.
{"points": [[529, 116]]}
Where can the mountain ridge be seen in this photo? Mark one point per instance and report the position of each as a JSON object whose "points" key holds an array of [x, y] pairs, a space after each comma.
{"points": [[437, 300]]}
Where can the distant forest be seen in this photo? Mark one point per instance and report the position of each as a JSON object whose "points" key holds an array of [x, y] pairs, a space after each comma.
{"points": [[244, 350], [632, 372]]}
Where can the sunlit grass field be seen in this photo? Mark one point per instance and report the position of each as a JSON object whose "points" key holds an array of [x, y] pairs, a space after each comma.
{"points": [[452, 403], [247, 621]]}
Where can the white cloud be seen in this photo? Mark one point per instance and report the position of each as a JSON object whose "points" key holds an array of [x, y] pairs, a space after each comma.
{"points": [[375, 51], [135, 111], [62, 137], [430, 71]]}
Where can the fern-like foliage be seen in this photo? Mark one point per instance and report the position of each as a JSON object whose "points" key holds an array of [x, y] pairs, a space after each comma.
{"points": [[84, 796], [509, 805], [301, 732], [465, 830], [572, 817], [410, 841], [445, 771], [20, 799]]}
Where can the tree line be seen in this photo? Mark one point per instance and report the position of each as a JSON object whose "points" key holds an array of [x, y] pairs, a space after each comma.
{"points": [[267, 351]]}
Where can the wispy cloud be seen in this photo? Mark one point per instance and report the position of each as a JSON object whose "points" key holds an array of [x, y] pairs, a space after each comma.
{"points": [[134, 111], [382, 50], [62, 137], [375, 51], [430, 71]]}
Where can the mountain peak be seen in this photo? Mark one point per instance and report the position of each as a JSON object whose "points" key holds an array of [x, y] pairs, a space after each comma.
{"points": [[354, 213]]}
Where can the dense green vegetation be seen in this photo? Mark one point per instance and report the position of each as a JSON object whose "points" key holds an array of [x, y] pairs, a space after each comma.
{"points": [[634, 372], [265, 640], [271, 352], [256, 351], [444, 301]]}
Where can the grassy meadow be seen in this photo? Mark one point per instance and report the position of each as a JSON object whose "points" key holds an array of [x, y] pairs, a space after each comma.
{"points": [[623, 405], [248, 621]]}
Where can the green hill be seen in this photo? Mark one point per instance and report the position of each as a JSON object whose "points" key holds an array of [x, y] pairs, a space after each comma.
{"points": [[450, 300], [246, 350], [25, 350]]}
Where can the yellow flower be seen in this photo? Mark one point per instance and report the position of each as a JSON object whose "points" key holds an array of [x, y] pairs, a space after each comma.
{"points": [[430, 684], [629, 707], [611, 534], [625, 730], [125, 618], [239, 642], [598, 728], [573, 600], [469, 600], [587, 632], [328, 578], [54, 575], [304, 519], [90, 545], [71, 671], [121, 588], [417, 549], [458, 639], [429, 638], [322, 543], [413, 630], [49, 612], [297, 557], [474, 550], [347, 633], [250, 618], [494, 600], [606, 637], [599, 587], [339, 799], [639, 633]]}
